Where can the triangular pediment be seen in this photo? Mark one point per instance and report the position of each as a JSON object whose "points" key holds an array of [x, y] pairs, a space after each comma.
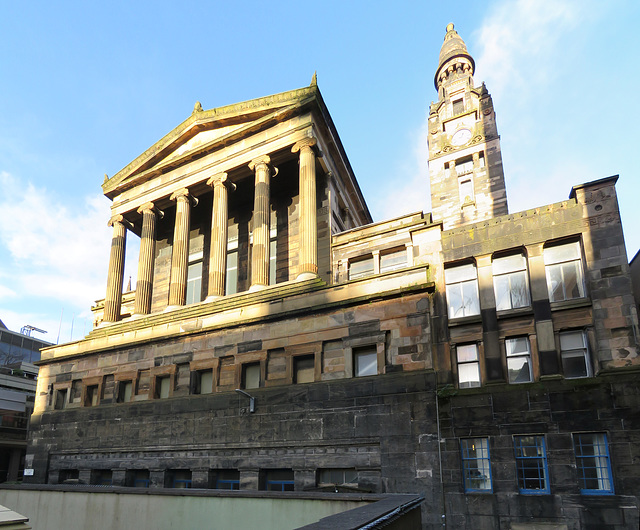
{"points": [[205, 130]]}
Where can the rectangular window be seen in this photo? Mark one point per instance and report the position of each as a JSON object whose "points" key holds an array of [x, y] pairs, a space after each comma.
{"points": [[468, 365], [178, 478], [163, 386], [458, 106], [91, 398], [531, 464], [71, 475], [465, 186], [563, 267], [137, 478], [278, 480], [194, 278], [251, 375], [476, 465], [361, 268], [273, 248], [518, 360], [337, 477], [304, 369], [365, 361], [574, 354], [60, 401], [464, 166], [231, 280], [125, 391], [203, 383], [462, 291], [101, 477], [593, 463], [394, 260], [227, 479], [510, 282]]}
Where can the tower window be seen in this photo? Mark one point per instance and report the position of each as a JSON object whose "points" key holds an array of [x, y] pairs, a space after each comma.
{"points": [[458, 106], [466, 190]]}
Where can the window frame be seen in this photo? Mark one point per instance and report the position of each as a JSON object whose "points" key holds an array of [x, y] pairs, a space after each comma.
{"points": [[385, 255], [585, 353], [467, 284], [469, 362], [466, 470], [251, 366], [509, 275], [361, 352], [551, 264], [578, 448], [541, 464], [517, 355], [192, 296], [364, 273]]}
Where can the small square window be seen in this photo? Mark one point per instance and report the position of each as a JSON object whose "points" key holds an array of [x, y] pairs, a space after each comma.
{"points": [[574, 354], [226, 479], [593, 463], [531, 464], [518, 360], [251, 375], [101, 477], [304, 369], [458, 106], [476, 464], [365, 361], [137, 478], [177, 478], [278, 480], [468, 365], [203, 382]]}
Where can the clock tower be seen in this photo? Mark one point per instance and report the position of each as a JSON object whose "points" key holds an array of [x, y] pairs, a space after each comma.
{"points": [[465, 163]]}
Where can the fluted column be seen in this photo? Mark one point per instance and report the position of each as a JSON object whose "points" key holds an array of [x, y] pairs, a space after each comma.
{"points": [[113, 300], [180, 252], [144, 283], [219, 234], [308, 262], [261, 224]]}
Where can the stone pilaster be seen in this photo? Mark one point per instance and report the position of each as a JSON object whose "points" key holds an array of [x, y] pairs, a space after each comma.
{"points": [[219, 234], [308, 267], [115, 277], [144, 282], [180, 253], [261, 224]]}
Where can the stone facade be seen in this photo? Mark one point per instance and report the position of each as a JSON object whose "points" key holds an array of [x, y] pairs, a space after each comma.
{"points": [[486, 360]]}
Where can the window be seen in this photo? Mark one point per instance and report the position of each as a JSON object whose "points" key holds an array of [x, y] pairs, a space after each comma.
{"points": [[468, 365], [476, 464], [91, 398], [226, 479], [466, 190], [393, 260], [101, 477], [360, 268], [203, 382], [510, 282], [232, 260], [251, 375], [574, 354], [337, 477], [194, 278], [365, 361], [273, 248], [563, 266], [531, 464], [163, 387], [137, 478], [593, 463], [458, 106], [60, 401], [464, 166], [177, 478], [462, 291], [304, 369], [125, 391], [278, 480], [518, 360], [65, 475]]}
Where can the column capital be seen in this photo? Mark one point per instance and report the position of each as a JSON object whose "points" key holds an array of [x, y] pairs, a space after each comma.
{"points": [[257, 162], [305, 143], [115, 219], [221, 179], [183, 193], [150, 207]]}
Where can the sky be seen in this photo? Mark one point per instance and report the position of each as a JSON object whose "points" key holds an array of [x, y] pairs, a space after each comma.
{"points": [[86, 87]]}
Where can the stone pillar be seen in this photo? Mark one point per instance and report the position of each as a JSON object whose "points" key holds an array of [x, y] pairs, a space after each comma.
{"points": [[409, 254], [115, 277], [308, 262], [261, 224], [219, 235], [180, 253], [376, 261], [144, 283], [490, 334]]}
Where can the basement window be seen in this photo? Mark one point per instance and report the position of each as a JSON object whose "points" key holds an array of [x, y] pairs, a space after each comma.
{"points": [[178, 478], [365, 361], [101, 477], [277, 480], [304, 369], [226, 479], [137, 478]]}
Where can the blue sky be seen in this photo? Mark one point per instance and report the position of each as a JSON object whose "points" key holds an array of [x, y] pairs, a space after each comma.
{"points": [[85, 88]]}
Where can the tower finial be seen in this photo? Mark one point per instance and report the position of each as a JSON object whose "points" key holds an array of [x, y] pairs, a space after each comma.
{"points": [[314, 79], [449, 27]]}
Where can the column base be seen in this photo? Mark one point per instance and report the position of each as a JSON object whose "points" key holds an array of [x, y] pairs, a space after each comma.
{"points": [[257, 287], [306, 276], [137, 316], [212, 298], [172, 308]]}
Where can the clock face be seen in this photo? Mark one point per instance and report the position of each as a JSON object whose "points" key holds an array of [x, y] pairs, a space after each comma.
{"points": [[461, 137]]}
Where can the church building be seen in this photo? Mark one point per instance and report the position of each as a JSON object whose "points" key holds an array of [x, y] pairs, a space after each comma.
{"points": [[278, 339]]}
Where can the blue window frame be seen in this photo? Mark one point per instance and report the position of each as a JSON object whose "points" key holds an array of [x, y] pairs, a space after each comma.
{"points": [[476, 465], [222, 484], [531, 465], [280, 485], [593, 463]]}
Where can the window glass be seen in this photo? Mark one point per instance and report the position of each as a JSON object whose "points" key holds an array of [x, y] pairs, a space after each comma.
{"points": [[458, 106], [393, 260], [466, 190], [194, 279], [518, 360], [279, 480], [462, 291], [252, 375], [593, 463], [61, 399], [476, 464], [304, 369], [163, 384], [574, 354], [468, 366], [365, 362], [361, 268], [531, 464], [563, 268], [231, 280], [125, 391], [178, 478], [137, 478], [337, 477], [227, 479], [92, 396], [510, 282]]}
